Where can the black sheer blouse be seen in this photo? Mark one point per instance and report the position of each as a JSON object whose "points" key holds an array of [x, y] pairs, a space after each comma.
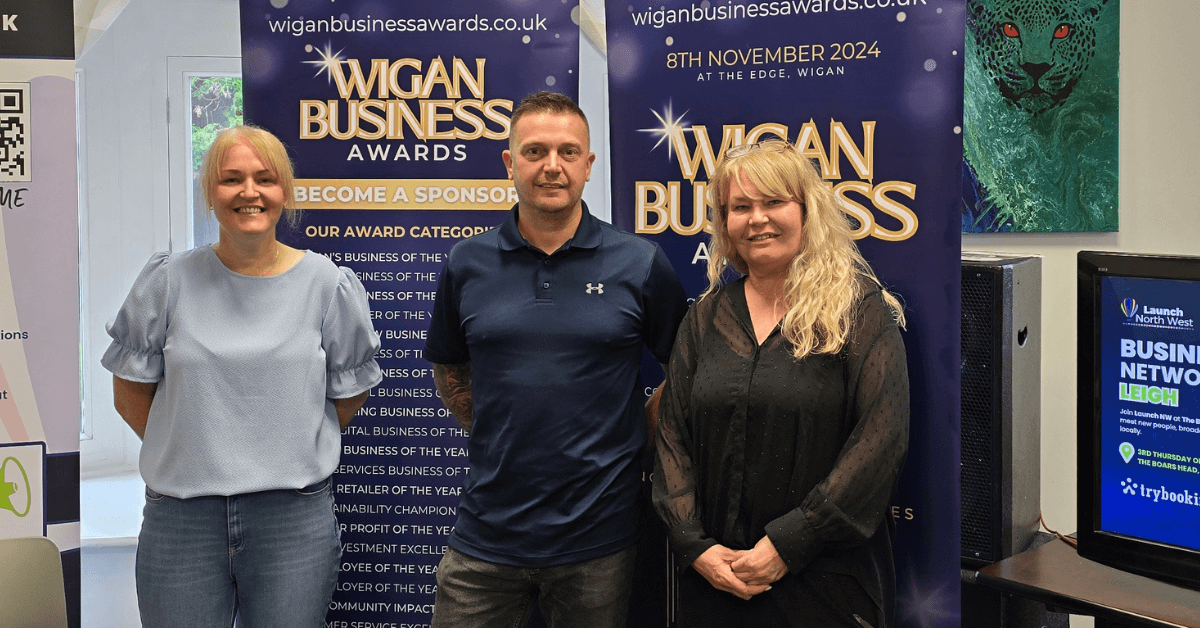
{"points": [[753, 442]]}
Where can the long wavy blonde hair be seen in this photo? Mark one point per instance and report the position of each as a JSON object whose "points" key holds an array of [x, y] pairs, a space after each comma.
{"points": [[829, 275]]}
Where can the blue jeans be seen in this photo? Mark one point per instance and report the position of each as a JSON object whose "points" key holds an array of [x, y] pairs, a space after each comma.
{"points": [[473, 593], [269, 557]]}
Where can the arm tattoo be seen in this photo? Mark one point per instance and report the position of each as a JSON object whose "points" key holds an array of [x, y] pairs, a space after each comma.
{"points": [[453, 383]]}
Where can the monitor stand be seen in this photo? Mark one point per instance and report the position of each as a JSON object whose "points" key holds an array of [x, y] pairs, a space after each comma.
{"points": [[1055, 574]]}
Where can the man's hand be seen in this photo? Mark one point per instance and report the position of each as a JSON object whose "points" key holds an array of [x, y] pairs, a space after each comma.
{"points": [[760, 566], [714, 565]]}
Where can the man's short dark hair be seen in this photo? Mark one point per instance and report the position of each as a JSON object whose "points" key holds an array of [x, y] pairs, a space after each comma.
{"points": [[547, 102]]}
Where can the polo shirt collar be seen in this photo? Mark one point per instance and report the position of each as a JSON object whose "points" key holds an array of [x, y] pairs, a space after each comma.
{"points": [[587, 234]]}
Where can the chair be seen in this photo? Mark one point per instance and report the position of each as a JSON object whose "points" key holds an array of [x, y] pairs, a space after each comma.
{"points": [[31, 584]]}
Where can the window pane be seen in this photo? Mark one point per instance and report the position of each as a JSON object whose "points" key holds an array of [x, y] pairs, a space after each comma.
{"points": [[216, 105]]}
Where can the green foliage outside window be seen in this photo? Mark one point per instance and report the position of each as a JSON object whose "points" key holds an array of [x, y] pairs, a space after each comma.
{"points": [[216, 105]]}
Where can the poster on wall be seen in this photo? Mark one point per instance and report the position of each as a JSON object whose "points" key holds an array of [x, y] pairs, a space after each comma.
{"points": [[872, 93], [39, 282], [1040, 116], [396, 115]]}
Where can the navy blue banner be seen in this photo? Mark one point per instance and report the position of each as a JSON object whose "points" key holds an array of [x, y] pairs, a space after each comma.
{"points": [[396, 115], [872, 92]]}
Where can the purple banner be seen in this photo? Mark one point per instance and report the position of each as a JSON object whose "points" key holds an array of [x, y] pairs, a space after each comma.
{"points": [[396, 115], [871, 90]]}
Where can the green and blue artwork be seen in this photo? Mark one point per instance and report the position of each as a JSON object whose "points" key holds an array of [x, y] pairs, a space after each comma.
{"points": [[1040, 116]]}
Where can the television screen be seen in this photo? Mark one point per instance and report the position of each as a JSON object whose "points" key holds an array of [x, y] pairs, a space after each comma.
{"points": [[1139, 413]]}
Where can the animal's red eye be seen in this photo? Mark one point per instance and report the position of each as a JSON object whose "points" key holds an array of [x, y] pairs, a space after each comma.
{"points": [[1010, 30], [1062, 31]]}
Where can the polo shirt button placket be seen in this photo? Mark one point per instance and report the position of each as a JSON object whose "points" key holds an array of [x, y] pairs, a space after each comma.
{"points": [[543, 277], [541, 287]]}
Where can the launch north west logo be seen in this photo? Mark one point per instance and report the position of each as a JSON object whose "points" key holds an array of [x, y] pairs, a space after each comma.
{"points": [[1129, 307]]}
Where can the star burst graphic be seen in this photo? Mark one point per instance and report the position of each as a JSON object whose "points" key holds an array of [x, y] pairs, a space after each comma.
{"points": [[927, 605], [670, 129], [327, 61]]}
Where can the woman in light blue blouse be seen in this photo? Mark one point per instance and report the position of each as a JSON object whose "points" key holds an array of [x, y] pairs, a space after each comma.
{"points": [[238, 364]]}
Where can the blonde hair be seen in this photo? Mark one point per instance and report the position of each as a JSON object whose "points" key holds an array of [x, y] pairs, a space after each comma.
{"points": [[828, 277], [268, 148]]}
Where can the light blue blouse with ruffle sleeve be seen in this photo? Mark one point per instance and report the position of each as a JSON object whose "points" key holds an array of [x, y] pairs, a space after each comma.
{"points": [[246, 370]]}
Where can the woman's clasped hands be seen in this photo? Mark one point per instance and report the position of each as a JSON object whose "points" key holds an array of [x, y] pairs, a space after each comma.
{"points": [[744, 573]]}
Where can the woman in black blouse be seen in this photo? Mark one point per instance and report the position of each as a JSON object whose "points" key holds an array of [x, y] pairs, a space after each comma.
{"points": [[784, 418]]}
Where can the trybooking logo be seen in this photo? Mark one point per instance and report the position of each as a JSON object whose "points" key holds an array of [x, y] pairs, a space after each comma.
{"points": [[1162, 493]]}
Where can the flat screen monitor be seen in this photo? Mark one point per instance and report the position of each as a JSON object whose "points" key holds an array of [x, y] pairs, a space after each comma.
{"points": [[1139, 413]]}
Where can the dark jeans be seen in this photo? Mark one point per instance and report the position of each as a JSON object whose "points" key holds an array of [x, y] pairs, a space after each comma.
{"points": [[473, 593]]}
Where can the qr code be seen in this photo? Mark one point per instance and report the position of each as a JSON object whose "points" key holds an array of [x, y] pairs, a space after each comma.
{"points": [[14, 132]]}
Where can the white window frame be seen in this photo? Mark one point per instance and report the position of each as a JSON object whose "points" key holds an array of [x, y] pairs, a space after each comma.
{"points": [[85, 352], [180, 72]]}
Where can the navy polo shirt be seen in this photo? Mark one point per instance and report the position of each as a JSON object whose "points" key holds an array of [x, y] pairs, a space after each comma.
{"points": [[555, 345]]}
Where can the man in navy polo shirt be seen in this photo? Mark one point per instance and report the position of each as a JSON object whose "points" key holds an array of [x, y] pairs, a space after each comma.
{"points": [[537, 337]]}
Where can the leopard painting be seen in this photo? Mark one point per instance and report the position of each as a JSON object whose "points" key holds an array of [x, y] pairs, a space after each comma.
{"points": [[1035, 50], [1040, 115]]}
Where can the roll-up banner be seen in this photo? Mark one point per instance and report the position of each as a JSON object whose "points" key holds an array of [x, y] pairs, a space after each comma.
{"points": [[396, 114], [871, 90], [39, 282]]}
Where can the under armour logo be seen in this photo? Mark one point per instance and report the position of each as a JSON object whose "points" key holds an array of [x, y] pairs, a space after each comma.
{"points": [[598, 288]]}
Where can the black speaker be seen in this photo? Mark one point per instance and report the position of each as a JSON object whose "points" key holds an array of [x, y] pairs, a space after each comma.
{"points": [[1001, 405]]}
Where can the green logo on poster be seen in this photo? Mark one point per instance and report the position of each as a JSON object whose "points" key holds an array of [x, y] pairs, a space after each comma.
{"points": [[8, 489]]}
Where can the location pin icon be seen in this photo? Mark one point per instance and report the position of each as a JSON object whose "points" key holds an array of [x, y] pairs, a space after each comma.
{"points": [[1127, 451]]}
